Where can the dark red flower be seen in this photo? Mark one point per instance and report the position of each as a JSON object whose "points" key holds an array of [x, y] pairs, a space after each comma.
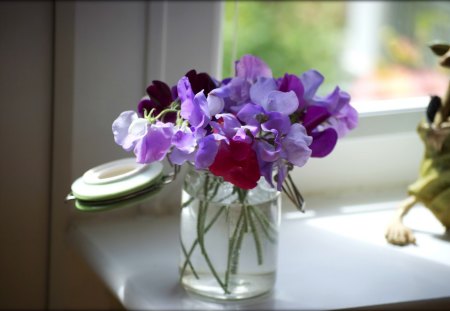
{"points": [[200, 81], [160, 99], [237, 163]]}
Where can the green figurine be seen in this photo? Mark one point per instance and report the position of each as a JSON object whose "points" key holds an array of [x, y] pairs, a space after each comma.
{"points": [[432, 188]]}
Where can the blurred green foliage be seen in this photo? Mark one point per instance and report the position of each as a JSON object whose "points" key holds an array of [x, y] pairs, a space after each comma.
{"points": [[290, 36]]}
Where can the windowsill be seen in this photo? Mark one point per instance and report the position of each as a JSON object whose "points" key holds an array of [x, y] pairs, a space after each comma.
{"points": [[334, 256]]}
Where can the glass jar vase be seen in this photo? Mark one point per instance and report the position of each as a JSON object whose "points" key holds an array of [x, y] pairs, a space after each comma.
{"points": [[228, 237]]}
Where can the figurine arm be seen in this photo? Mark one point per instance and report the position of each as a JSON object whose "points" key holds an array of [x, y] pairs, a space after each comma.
{"points": [[397, 233]]}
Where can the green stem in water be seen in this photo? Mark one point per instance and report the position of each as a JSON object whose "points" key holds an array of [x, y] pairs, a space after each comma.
{"points": [[237, 247], [256, 238], [231, 243], [203, 208], [187, 262], [216, 189], [265, 224], [263, 219], [191, 250], [188, 202]]}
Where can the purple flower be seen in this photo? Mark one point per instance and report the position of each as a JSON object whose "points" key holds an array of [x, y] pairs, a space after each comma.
{"points": [[295, 145], [324, 140], [193, 108], [343, 117], [252, 114], [229, 127], [179, 157], [293, 83], [184, 142], [311, 81], [155, 144], [206, 153], [250, 68], [236, 91], [197, 109], [120, 128], [227, 124], [264, 93]]}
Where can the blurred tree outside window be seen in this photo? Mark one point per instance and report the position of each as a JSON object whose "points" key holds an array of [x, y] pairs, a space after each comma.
{"points": [[373, 49]]}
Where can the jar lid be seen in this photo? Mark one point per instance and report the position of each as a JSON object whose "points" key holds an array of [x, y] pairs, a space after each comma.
{"points": [[116, 180]]}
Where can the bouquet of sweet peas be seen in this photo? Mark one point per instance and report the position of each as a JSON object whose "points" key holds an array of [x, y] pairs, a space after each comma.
{"points": [[240, 128]]}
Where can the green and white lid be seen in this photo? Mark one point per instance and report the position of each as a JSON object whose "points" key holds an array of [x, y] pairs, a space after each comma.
{"points": [[116, 179]]}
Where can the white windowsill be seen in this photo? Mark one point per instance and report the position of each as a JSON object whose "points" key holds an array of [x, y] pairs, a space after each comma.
{"points": [[334, 256], [391, 106]]}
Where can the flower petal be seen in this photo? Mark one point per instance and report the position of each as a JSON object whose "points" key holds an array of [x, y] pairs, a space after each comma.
{"points": [[314, 116], [267, 152], [246, 133], [184, 140], [284, 103], [295, 145], [323, 142], [155, 144], [207, 150], [251, 67], [293, 83], [266, 168], [249, 112], [120, 128], [237, 163], [277, 121], [179, 157], [195, 110], [184, 90], [215, 104], [260, 91], [311, 81], [229, 125]]}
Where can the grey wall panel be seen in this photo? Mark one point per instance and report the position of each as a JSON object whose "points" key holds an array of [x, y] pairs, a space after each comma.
{"points": [[26, 30], [99, 65], [109, 67]]}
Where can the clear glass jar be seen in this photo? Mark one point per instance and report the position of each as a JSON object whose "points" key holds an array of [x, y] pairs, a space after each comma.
{"points": [[228, 237]]}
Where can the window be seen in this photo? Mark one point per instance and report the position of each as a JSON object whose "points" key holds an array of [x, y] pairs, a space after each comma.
{"points": [[375, 50]]}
